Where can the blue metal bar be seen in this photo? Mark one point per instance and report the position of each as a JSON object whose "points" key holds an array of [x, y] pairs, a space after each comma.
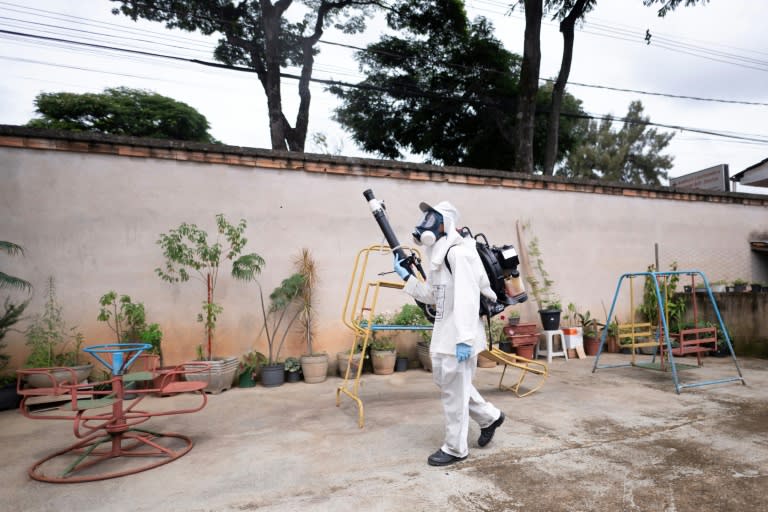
{"points": [[607, 323], [625, 365], [665, 329], [723, 329], [717, 381], [382, 327]]}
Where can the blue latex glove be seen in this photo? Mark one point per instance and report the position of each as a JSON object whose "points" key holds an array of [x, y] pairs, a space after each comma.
{"points": [[463, 352], [400, 269]]}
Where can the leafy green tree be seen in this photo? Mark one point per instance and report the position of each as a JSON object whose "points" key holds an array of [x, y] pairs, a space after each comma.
{"points": [[631, 154], [7, 280], [260, 36], [670, 5], [121, 111], [444, 88]]}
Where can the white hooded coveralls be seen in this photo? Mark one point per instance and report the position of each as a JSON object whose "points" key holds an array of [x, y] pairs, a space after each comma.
{"points": [[455, 293]]}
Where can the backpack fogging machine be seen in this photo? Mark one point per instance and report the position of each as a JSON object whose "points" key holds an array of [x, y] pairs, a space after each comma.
{"points": [[500, 264]]}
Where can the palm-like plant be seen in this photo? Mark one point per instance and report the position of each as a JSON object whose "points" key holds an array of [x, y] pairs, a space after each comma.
{"points": [[7, 280], [282, 299], [304, 264]]}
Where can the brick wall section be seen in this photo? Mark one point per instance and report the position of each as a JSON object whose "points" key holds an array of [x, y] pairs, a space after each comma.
{"points": [[94, 143]]}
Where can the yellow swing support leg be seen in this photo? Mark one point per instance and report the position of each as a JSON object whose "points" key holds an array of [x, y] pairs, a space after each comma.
{"points": [[635, 331]]}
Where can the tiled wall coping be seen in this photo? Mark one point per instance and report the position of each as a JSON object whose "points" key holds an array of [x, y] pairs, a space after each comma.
{"points": [[94, 143]]}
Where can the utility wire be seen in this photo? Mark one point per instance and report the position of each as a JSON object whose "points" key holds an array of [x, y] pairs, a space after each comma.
{"points": [[380, 89], [133, 39], [663, 94], [635, 36], [619, 89], [593, 27]]}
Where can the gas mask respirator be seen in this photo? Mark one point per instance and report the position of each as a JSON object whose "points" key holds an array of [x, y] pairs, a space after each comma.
{"points": [[428, 230]]}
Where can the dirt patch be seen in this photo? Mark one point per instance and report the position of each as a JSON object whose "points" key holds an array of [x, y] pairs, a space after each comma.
{"points": [[634, 474]]}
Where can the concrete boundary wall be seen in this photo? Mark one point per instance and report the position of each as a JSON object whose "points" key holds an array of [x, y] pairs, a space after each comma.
{"points": [[88, 210]]}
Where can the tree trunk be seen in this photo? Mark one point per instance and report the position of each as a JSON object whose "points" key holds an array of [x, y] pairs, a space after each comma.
{"points": [[558, 90], [271, 82], [529, 86], [299, 134]]}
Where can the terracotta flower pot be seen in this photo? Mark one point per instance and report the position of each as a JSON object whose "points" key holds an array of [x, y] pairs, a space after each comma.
{"points": [[422, 350], [383, 361], [343, 362], [525, 351], [591, 345], [315, 368]]}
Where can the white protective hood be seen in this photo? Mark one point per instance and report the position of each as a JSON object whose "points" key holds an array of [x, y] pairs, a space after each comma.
{"points": [[437, 252]]}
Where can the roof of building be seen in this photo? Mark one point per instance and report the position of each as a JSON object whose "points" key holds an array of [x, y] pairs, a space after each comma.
{"points": [[755, 175]]}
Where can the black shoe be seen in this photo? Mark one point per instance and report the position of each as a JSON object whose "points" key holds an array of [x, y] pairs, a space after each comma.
{"points": [[486, 434], [440, 458]]}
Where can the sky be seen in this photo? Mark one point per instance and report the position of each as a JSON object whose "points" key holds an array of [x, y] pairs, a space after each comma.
{"points": [[717, 51]]}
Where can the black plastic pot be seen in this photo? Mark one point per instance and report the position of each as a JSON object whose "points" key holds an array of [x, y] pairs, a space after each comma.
{"points": [[272, 375], [292, 376], [506, 346], [401, 364], [9, 399], [550, 319]]}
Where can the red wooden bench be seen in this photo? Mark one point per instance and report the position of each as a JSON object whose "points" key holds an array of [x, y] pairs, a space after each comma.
{"points": [[697, 341]]}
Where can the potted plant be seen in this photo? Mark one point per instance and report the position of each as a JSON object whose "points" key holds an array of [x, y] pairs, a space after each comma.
{"points": [[589, 330], [128, 320], [292, 368], [413, 316], [540, 285], [342, 359], [284, 309], [383, 354], [719, 286], [611, 338], [497, 334], [755, 287], [248, 369], [188, 254], [314, 365], [49, 338], [570, 320], [739, 285], [9, 316]]}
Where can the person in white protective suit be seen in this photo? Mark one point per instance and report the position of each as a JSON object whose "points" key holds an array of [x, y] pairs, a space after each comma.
{"points": [[455, 280]]}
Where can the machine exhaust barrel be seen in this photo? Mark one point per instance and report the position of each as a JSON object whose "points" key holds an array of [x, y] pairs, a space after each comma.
{"points": [[377, 208]]}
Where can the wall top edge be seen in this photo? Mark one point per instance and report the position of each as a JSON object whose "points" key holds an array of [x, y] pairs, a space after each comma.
{"points": [[86, 142]]}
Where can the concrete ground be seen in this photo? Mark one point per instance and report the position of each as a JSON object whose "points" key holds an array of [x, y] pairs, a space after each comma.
{"points": [[616, 440]]}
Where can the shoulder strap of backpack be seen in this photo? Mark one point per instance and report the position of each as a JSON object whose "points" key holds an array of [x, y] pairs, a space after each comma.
{"points": [[447, 263]]}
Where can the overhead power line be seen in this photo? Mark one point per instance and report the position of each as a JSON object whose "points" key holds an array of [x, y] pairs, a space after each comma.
{"points": [[635, 34], [758, 139], [619, 89], [663, 94], [592, 26]]}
